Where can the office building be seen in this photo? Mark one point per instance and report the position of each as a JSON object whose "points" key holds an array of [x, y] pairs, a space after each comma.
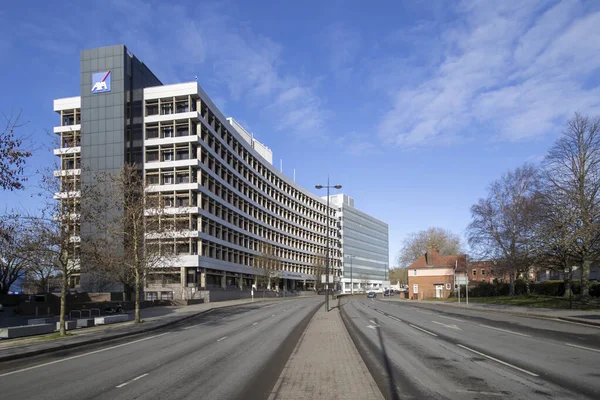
{"points": [[364, 247], [225, 200]]}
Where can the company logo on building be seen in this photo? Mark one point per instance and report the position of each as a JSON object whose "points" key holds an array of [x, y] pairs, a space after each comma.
{"points": [[101, 82]]}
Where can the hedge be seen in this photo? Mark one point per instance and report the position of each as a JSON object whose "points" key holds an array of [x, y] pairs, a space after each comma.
{"points": [[548, 288]]}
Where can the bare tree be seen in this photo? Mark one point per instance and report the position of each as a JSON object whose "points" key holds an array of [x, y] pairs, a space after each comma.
{"points": [[15, 249], [415, 244], [12, 154], [399, 275], [319, 269], [503, 224], [57, 230], [268, 266], [130, 235], [572, 173]]}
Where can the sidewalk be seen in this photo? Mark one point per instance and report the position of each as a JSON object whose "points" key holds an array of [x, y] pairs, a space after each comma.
{"points": [[154, 318], [579, 316], [325, 365]]}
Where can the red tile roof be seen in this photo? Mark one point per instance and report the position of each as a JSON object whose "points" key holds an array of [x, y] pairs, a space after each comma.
{"points": [[432, 258]]}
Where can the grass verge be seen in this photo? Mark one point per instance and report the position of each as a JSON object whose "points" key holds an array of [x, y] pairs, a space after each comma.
{"points": [[533, 301]]}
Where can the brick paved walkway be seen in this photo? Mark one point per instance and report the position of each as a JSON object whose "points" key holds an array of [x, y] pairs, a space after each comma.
{"points": [[325, 365]]}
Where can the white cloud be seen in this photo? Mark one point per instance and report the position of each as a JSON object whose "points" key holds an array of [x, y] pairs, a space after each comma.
{"points": [[508, 72], [342, 44]]}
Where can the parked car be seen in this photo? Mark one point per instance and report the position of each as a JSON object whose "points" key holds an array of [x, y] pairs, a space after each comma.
{"points": [[371, 295], [388, 293]]}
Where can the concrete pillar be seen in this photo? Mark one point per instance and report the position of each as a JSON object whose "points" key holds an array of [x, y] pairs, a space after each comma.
{"points": [[202, 280], [224, 280], [183, 280], [241, 282]]}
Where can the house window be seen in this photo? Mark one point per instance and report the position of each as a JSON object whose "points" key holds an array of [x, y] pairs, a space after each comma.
{"points": [[482, 272], [414, 272], [474, 272], [415, 288], [448, 287]]}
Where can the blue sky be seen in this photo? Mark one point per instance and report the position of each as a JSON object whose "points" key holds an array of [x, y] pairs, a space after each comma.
{"points": [[413, 108]]}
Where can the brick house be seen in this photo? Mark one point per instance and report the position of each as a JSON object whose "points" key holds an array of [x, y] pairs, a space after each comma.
{"points": [[432, 275], [485, 271]]}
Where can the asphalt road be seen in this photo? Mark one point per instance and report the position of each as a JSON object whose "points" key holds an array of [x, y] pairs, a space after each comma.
{"points": [[436, 352], [227, 353]]}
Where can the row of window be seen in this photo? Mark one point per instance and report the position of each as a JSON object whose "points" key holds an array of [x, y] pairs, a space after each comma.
{"points": [[170, 105], [171, 129], [227, 146]]}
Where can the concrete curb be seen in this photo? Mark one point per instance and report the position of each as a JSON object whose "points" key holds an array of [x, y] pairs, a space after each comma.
{"points": [[68, 346]]}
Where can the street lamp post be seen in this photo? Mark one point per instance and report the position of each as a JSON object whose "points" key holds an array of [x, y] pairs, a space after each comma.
{"points": [[327, 255], [351, 257]]}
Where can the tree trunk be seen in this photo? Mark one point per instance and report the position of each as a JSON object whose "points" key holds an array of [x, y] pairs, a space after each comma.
{"points": [[585, 279], [567, 280], [512, 283], [63, 304], [137, 296]]}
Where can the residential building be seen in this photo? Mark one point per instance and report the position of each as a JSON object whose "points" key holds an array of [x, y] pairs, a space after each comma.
{"points": [[225, 200], [432, 275], [485, 271], [364, 247]]}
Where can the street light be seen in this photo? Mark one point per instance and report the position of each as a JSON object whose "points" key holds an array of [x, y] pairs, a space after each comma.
{"points": [[351, 256], [327, 255]]}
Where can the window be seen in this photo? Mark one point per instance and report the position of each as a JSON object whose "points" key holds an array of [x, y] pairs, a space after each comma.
{"points": [[166, 108], [482, 272], [168, 155], [415, 288], [168, 179], [167, 131], [414, 272], [448, 286], [474, 272]]}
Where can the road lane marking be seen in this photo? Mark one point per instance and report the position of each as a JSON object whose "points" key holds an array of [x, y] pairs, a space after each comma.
{"points": [[454, 319], [273, 315], [397, 319], [133, 380], [256, 323], [498, 361], [504, 330], [422, 312], [81, 355], [447, 326], [223, 338], [583, 347], [373, 322], [421, 329]]}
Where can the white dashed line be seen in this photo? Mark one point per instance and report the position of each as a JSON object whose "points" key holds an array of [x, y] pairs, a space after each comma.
{"points": [[504, 330], [454, 319], [583, 347], [256, 323], [223, 338], [498, 361], [81, 355], [133, 380], [421, 329]]}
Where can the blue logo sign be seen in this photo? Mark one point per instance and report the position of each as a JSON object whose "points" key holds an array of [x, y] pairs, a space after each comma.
{"points": [[101, 82]]}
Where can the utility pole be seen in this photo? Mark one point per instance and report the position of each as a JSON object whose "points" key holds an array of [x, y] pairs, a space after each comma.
{"points": [[327, 254]]}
